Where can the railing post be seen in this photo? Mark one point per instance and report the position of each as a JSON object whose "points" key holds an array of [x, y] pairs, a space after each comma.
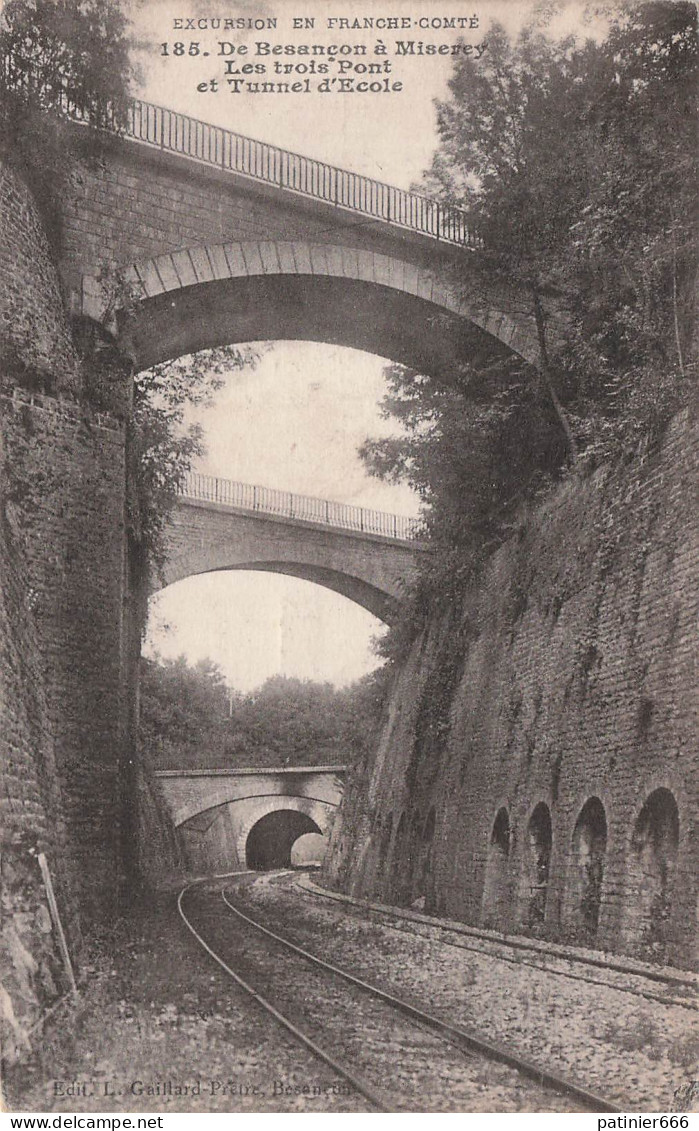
{"points": [[327, 512], [395, 526], [254, 498]]}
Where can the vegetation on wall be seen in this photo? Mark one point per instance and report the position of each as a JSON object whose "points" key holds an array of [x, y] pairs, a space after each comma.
{"points": [[56, 53], [164, 445], [190, 719], [75, 54], [577, 163]]}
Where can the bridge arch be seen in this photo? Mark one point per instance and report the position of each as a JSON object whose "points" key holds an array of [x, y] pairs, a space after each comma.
{"points": [[410, 310], [214, 831], [380, 604], [321, 814], [371, 570]]}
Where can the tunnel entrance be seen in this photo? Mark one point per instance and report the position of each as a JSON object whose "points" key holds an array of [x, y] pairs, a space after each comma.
{"points": [[270, 840]]}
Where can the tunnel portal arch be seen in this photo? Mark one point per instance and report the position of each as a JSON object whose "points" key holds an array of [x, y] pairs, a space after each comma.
{"points": [[272, 837]]}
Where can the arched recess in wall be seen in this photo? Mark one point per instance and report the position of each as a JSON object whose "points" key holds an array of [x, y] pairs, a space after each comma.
{"points": [[385, 832], [496, 885], [536, 864], [586, 867], [400, 864], [421, 841], [652, 867]]}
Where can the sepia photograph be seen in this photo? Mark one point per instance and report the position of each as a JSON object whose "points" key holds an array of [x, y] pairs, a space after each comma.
{"points": [[349, 560]]}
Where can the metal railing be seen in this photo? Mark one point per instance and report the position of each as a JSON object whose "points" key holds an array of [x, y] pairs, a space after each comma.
{"points": [[285, 504], [232, 152], [173, 132]]}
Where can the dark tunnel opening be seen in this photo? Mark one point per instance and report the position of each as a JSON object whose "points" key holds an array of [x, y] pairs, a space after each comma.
{"points": [[270, 840]]}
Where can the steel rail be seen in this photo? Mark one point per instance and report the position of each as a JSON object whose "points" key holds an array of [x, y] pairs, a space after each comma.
{"points": [[452, 1034], [513, 942], [375, 1098]]}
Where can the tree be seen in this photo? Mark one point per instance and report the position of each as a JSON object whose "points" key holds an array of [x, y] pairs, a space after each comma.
{"points": [[57, 55], [468, 447], [632, 254], [183, 712], [578, 165], [190, 719], [163, 446], [301, 722]]}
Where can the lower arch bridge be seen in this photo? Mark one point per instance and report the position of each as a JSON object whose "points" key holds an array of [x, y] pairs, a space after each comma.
{"points": [[368, 556], [251, 817]]}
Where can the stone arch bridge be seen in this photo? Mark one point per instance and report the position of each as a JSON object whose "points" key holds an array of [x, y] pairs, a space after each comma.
{"points": [[252, 817], [366, 555], [218, 239]]}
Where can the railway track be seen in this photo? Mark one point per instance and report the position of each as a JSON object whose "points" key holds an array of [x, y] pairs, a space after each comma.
{"points": [[395, 1055], [602, 971]]}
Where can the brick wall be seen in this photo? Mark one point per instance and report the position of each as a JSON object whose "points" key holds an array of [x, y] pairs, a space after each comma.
{"points": [[578, 682], [67, 479], [63, 609], [30, 807], [139, 204], [32, 321]]}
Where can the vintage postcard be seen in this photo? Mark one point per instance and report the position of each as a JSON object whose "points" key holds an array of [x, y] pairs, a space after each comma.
{"points": [[348, 558]]}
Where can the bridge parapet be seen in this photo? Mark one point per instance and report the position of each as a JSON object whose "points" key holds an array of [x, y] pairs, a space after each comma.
{"points": [[308, 508], [173, 132]]}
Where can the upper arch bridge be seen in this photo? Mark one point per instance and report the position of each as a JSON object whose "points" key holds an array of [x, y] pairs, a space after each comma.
{"points": [[219, 238]]}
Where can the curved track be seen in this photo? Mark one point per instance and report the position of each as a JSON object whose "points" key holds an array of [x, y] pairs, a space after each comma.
{"points": [[375, 1035]]}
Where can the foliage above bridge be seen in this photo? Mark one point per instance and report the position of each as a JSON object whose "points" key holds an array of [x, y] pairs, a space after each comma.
{"points": [[579, 163], [190, 719]]}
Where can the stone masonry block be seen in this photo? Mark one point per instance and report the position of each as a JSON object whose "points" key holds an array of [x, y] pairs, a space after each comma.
{"points": [[350, 266], [411, 278], [269, 257], [287, 263], [219, 263], [302, 256], [382, 269], [319, 263], [365, 266], [150, 279], [396, 274], [236, 260], [253, 258], [168, 275], [184, 266], [425, 285], [202, 265], [333, 258]]}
